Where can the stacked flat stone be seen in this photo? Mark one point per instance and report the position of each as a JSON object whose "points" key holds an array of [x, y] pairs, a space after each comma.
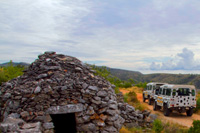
{"points": [[134, 117], [120, 97], [56, 83]]}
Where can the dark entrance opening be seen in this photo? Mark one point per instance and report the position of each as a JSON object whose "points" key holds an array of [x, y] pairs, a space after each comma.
{"points": [[64, 123]]}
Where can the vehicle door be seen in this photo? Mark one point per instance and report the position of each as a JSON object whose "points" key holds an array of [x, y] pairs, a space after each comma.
{"points": [[150, 89], [160, 97], [168, 97], [146, 92], [184, 96], [193, 97], [153, 91]]}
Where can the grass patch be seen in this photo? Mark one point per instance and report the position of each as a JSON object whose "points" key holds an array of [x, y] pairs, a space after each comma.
{"points": [[158, 127], [168, 127]]}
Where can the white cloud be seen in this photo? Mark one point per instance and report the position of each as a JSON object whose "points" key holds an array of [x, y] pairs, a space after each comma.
{"points": [[182, 61], [37, 26]]}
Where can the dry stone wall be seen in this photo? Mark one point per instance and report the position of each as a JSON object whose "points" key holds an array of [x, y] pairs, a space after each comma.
{"points": [[60, 84], [56, 83]]}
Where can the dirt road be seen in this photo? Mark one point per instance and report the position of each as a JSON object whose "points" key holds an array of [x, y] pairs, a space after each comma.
{"points": [[174, 117]]}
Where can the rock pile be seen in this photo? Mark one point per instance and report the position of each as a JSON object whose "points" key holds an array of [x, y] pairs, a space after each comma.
{"points": [[59, 84], [135, 117], [120, 97]]}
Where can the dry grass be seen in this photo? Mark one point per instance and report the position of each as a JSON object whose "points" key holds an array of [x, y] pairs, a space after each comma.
{"points": [[131, 130], [124, 130], [170, 127], [135, 89]]}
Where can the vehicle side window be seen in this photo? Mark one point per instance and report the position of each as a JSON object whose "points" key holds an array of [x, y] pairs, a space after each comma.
{"points": [[164, 91], [160, 91], [150, 87], [193, 92], [168, 92], [154, 87], [183, 91], [174, 92], [147, 87]]}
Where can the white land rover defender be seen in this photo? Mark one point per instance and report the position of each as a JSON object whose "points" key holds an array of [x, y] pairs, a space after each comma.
{"points": [[151, 90], [181, 98]]}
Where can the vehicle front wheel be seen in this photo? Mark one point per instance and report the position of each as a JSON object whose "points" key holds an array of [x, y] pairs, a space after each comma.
{"points": [[149, 101], [189, 112], [155, 106], [166, 110]]}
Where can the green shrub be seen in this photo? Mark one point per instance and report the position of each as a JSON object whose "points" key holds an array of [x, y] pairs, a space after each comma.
{"points": [[126, 98], [132, 96], [117, 90], [157, 126], [127, 85], [3, 77], [141, 85], [198, 105], [9, 72], [195, 128]]}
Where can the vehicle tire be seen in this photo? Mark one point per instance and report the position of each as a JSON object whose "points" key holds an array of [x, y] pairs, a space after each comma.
{"points": [[144, 99], [149, 101], [155, 106], [189, 112], [166, 110]]}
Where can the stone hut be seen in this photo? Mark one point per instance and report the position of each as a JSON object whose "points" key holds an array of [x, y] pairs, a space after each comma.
{"points": [[59, 93]]}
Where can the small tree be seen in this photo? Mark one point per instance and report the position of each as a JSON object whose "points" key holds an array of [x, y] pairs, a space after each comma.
{"points": [[195, 128], [9, 72]]}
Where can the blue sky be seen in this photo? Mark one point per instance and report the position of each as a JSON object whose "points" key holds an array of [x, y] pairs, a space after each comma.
{"points": [[149, 36]]}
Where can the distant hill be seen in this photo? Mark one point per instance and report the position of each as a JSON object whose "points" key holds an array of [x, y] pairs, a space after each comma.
{"points": [[15, 64], [168, 78], [126, 74], [139, 77], [193, 79]]}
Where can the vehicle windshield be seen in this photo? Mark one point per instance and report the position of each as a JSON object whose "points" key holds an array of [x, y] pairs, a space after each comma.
{"points": [[158, 86], [183, 91]]}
